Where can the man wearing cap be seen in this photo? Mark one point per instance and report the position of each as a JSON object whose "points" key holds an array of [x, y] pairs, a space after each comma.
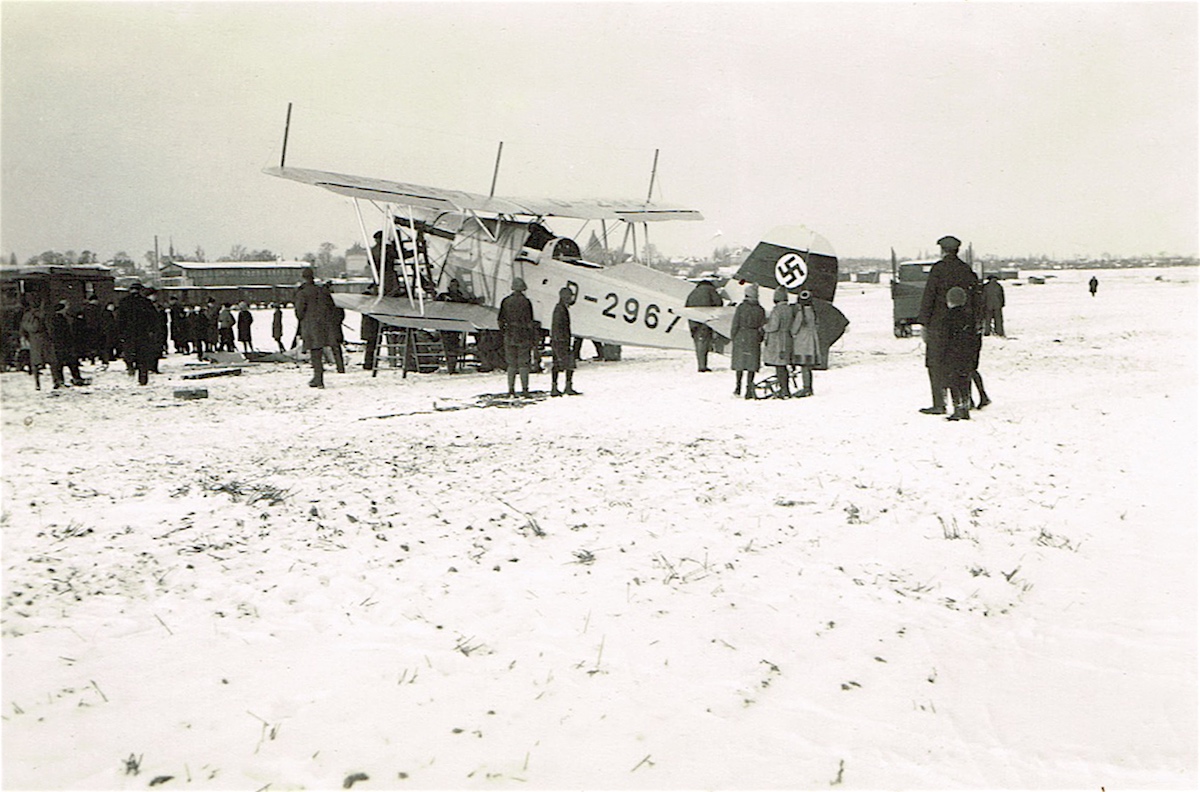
{"points": [[705, 295], [516, 325], [314, 312], [951, 271], [560, 343]]}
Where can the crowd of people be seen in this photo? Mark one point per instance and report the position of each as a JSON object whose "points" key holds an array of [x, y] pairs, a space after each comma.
{"points": [[137, 330]]}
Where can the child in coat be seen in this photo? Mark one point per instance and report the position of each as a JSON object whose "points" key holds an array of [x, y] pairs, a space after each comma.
{"points": [[960, 352]]}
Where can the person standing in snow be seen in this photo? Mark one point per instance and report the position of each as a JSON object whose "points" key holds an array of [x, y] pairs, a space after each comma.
{"points": [[138, 324], [336, 315], [560, 343], [705, 295], [777, 346], [806, 342], [516, 325], [1093, 284], [959, 349], [225, 323], [746, 337], [314, 310], [951, 271], [993, 307], [64, 345], [35, 333], [277, 325], [244, 320]]}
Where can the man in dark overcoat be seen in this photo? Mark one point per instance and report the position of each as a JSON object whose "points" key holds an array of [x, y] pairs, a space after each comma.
{"points": [[314, 312], [516, 325], [705, 295], [139, 326], [951, 271], [560, 343], [64, 345], [993, 307]]}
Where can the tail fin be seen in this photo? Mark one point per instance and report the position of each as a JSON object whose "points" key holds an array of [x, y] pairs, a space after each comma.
{"points": [[793, 257]]}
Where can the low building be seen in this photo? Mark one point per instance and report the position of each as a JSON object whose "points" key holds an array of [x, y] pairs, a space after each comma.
{"points": [[191, 274], [255, 282]]}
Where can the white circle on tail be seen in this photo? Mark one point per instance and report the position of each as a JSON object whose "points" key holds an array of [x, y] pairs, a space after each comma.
{"points": [[791, 270]]}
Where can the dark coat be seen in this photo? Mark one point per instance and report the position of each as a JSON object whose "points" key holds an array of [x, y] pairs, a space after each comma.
{"points": [[951, 271], [960, 341], [180, 331], [705, 295], [108, 328], [139, 325], [314, 312], [560, 337], [277, 324], [993, 295], [62, 336], [516, 320], [747, 335], [244, 320]]}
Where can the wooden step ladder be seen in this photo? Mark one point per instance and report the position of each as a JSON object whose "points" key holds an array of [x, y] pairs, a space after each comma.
{"points": [[408, 349]]}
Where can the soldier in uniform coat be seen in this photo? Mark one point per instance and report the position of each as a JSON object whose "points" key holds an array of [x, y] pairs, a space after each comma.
{"points": [[516, 325], [139, 326], [560, 343], [746, 337], [245, 320], [951, 271], [314, 311], [705, 295], [777, 348]]}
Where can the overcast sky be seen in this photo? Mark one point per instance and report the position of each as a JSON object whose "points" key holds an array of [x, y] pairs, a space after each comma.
{"points": [[1045, 128]]}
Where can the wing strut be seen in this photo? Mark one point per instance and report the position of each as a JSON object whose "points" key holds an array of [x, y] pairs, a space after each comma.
{"points": [[496, 171], [376, 266]]}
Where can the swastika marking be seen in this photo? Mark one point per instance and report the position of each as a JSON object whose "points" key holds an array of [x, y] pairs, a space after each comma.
{"points": [[791, 270]]}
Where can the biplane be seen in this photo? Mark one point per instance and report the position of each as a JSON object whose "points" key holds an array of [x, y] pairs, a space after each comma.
{"points": [[443, 259]]}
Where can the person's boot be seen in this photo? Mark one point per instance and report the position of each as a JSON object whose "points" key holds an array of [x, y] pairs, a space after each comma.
{"points": [[750, 386], [570, 390], [512, 382], [317, 358], [961, 411], [524, 383], [554, 391], [806, 380], [737, 388]]}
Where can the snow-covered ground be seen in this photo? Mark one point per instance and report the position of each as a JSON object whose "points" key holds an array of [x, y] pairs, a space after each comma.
{"points": [[651, 586]]}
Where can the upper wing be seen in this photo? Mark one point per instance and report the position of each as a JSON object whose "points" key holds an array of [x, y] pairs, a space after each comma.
{"points": [[458, 201]]}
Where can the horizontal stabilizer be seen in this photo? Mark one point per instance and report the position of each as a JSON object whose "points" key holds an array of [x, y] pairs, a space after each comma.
{"points": [[793, 257]]}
